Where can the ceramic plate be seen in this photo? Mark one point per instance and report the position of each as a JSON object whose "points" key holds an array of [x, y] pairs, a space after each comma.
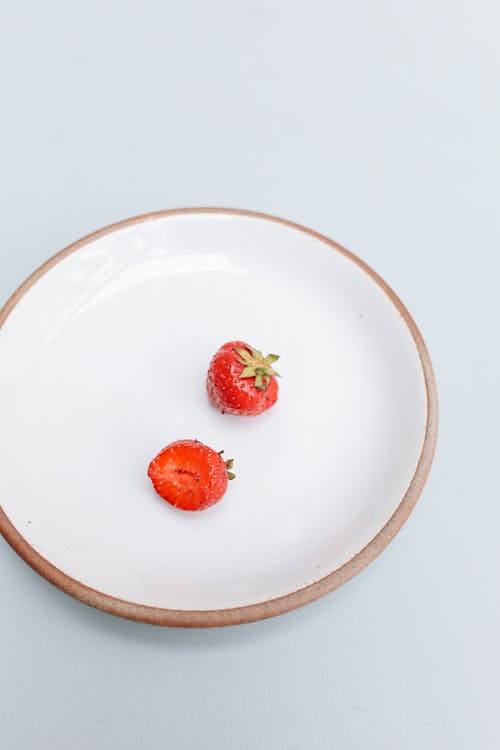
{"points": [[103, 357]]}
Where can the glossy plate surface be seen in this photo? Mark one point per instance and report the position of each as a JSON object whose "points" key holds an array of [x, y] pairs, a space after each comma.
{"points": [[103, 357]]}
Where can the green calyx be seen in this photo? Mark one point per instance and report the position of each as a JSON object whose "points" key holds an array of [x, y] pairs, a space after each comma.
{"points": [[256, 366], [229, 465]]}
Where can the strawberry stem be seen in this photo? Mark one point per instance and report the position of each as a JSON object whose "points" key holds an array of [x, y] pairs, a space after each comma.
{"points": [[256, 366]]}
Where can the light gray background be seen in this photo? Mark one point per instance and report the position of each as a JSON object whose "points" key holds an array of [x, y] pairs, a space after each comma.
{"points": [[378, 124]]}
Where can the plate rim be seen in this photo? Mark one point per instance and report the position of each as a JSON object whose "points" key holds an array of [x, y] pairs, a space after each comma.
{"points": [[271, 607]]}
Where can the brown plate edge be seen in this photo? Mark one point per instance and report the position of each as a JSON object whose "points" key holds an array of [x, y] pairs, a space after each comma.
{"points": [[271, 607]]}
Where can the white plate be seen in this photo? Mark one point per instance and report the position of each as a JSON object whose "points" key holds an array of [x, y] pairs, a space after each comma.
{"points": [[103, 357]]}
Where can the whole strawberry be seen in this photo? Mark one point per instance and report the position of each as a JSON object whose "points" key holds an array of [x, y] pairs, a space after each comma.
{"points": [[190, 475], [241, 380]]}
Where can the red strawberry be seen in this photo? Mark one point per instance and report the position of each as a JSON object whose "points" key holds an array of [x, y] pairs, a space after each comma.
{"points": [[190, 475], [241, 380]]}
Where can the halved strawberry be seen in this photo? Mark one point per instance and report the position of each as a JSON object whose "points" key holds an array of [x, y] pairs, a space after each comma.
{"points": [[190, 475], [241, 380]]}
